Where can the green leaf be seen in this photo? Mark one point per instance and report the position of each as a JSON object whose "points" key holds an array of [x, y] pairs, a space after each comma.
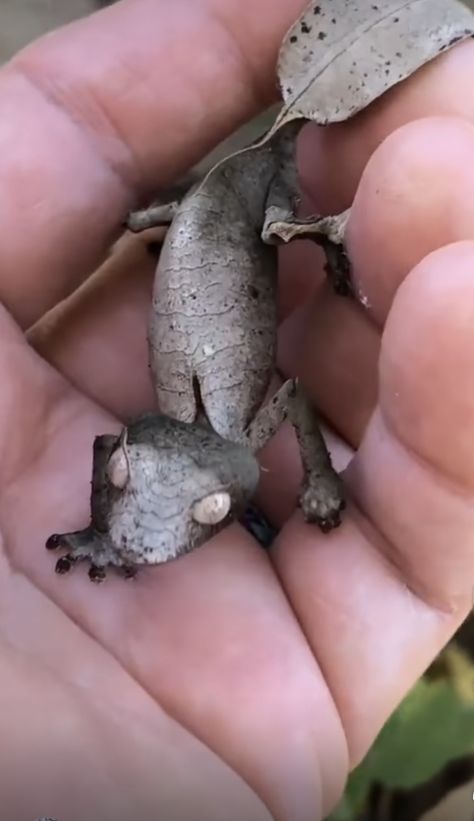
{"points": [[433, 725]]}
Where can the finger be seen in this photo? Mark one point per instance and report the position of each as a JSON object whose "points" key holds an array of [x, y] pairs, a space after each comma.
{"points": [[57, 678], [415, 195], [119, 103], [334, 158], [333, 348], [228, 661], [97, 338], [380, 597]]}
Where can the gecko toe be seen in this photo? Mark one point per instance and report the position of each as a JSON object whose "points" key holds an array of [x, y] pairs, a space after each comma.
{"points": [[64, 564], [329, 523], [323, 505], [54, 542], [128, 571], [96, 574]]}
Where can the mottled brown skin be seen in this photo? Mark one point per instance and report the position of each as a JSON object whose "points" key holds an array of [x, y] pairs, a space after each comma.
{"points": [[213, 323], [212, 340], [214, 314]]}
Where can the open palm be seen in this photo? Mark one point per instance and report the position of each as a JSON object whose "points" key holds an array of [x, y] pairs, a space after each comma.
{"points": [[231, 684]]}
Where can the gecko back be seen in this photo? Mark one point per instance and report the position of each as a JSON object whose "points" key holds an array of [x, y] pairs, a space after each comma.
{"points": [[213, 322]]}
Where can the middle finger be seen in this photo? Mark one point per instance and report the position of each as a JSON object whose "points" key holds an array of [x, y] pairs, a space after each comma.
{"points": [[414, 197]]}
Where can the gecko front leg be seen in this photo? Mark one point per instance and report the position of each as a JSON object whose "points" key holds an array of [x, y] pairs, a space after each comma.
{"points": [[161, 213], [92, 544], [327, 232], [322, 497], [281, 225], [155, 216]]}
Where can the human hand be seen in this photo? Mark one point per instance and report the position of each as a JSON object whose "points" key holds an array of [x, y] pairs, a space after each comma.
{"points": [[231, 683]]}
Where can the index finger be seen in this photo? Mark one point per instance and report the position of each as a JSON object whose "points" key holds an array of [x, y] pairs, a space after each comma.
{"points": [[108, 108]]}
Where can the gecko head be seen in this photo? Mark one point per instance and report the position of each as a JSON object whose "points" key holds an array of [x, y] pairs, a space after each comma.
{"points": [[167, 486]]}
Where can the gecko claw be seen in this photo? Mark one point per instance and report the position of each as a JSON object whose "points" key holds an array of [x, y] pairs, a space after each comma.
{"points": [[128, 571], [96, 574], [330, 522], [54, 542], [322, 504], [64, 564]]}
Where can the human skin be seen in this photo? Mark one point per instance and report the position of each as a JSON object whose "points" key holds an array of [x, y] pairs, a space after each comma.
{"points": [[231, 684]]}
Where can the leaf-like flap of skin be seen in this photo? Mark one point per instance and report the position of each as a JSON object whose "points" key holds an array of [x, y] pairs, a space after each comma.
{"points": [[118, 469], [342, 54]]}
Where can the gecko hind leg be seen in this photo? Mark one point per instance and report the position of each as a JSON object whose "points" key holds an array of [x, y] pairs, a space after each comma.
{"points": [[328, 232], [322, 497]]}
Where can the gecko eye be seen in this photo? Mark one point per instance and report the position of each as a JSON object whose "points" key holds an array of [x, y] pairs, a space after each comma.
{"points": [[118, 471], [212, 509]]}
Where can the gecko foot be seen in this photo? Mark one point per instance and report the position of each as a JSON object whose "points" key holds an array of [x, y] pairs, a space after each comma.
{"points": [[328, 232], [96, 574], [82, 545], [64, 564], [322, 503]]}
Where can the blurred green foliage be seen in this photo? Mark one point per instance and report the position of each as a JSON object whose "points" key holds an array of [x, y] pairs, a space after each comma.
{"points": [[432, 726]]}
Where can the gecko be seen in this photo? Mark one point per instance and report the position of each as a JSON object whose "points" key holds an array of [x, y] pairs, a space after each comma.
{"points": [[173, 479]]}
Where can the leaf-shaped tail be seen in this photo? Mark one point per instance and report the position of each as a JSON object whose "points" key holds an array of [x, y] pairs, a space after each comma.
{"points": [[340, 56]]}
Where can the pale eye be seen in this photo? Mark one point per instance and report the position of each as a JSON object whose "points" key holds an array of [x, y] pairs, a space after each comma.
{"points": [[212, 509]]}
